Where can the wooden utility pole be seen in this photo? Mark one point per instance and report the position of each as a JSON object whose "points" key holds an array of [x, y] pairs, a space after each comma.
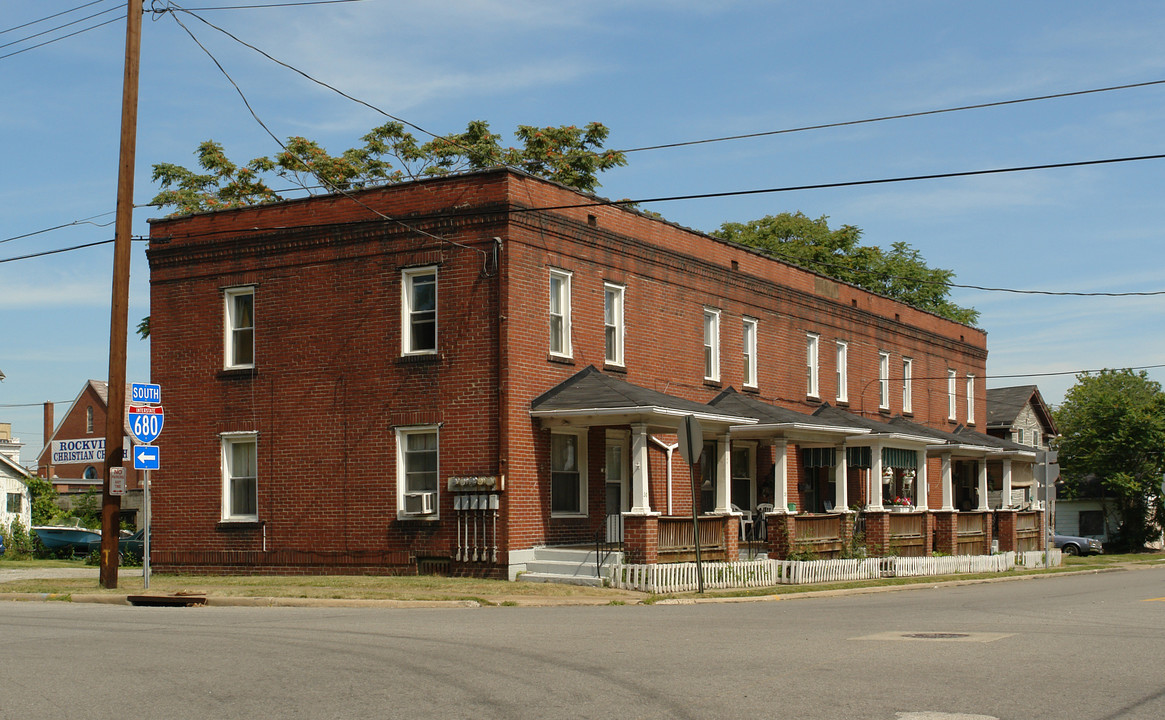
{"points": [[119, 314]]}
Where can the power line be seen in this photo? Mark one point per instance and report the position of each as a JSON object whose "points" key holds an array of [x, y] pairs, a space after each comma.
{"points": [[64, 250], [899, 116], [63, 37], [82, 221], [60, 27], [50, 17], [251, 7]]}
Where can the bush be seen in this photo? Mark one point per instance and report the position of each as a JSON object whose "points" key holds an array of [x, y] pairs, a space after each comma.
{"points": [[19, 543]]}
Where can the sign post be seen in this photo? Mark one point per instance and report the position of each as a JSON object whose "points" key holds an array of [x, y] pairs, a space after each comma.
{"points": [[145, 422], [691, 440]]}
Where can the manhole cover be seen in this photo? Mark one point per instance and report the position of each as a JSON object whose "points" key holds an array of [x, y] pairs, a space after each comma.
{"points": [[936, 636]]}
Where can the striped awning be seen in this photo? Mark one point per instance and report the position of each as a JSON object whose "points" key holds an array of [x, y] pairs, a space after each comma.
{"points": [[899, 458]]}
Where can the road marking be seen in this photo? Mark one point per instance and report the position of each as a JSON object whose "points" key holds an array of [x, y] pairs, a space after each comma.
{"points": [[929, 715], [925, 636], [1162, 599]]}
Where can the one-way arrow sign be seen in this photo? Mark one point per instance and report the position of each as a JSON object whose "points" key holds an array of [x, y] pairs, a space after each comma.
{"points": [[145, 457]]}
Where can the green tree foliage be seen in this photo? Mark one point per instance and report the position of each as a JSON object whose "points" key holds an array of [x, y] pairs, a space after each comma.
{"points": [[570, 155], [1112, 428], [899, 273], [44, 500]]}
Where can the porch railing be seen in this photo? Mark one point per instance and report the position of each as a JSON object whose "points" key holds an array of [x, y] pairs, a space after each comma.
{"points": [[906, 535], [677, 537], [972, 533], [1027, 531], [819, 534]]}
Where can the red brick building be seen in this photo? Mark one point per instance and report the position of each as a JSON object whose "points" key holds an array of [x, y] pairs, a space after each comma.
{"points": [[451, 372]]}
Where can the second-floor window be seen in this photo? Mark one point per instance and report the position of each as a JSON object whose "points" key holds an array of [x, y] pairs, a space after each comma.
{"points": [[749, 341], [883, 381], [419, 311], [842, 371], [952, 395], [560, 313], [907, 385], [711, 344], [970, 399], [239, 336], [613, 323], [812, 341]]}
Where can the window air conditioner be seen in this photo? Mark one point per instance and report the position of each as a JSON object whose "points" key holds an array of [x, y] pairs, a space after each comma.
{"points": [[420, 503]]}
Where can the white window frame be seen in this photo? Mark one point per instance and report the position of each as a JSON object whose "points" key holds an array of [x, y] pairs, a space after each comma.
{"points": [[749, 329], [952, 395], [907, 385], [883, 380], [711, 344], [228, 442], [970, 399], [812, 347], [613, 323], [402, 486], [407, 310], [842, 371], [580, 460], [231, 330], [562, 333]]}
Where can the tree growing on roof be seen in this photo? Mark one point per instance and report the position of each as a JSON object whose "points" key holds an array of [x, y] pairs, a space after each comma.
{"points": [[899, 273], [1112, 427], [567, 154]]}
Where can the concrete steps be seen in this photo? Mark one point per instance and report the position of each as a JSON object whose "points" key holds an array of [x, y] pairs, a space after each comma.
{"points": [[573, 566]]}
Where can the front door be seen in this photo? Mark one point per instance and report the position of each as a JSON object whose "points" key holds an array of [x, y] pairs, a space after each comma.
{"points": [[618, 496]]}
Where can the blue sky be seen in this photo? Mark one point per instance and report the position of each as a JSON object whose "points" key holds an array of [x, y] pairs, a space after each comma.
{"points": [[654, 71]]}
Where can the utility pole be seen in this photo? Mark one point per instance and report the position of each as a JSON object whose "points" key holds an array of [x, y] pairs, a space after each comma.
{"points": [[119, 314]]}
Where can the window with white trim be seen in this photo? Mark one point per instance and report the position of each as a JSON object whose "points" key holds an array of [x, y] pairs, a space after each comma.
{"points": [[970, 399], [239, 328], [907, 385], [419, 311], [417, 485], [15, 503], [711, 344], [749, 350], [560, 313], [568, 472], [613, 323], [842, 371], [812, 341], [240, 477], [952, 395], [883, 380]]}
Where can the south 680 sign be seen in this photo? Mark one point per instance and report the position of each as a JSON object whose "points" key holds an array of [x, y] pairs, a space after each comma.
{"points": [[145, 422]]}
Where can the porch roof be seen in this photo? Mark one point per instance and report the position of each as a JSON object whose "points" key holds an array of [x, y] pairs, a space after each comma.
{"points": [[952, 442], [877, 429], [1003, 448], [590, 397], [778, 422]]}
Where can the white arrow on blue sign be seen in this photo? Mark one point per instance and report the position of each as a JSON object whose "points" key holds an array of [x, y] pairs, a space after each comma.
{"points": [[145, 457], [145, 422]]}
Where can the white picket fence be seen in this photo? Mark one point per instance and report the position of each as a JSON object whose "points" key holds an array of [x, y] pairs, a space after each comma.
{"points": [[682, 577]]}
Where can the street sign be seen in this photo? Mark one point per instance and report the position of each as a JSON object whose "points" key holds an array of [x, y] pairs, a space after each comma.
{"points": [[691, 437], [145, 422], [117, 480], [145, 393], [145, 457]]}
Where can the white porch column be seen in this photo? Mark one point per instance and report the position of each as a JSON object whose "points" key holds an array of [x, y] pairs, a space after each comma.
{"points": [[875, 480], [1005, 496], [948, 484], [840, 481], [723, 489], [983, 483], [920, 486], [640, 498], [781, 476]]}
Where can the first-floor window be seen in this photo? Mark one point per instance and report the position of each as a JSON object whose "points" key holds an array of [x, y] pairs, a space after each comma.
{"points": [[240, 493], [417, 476], [568, 478], [14, 503]]}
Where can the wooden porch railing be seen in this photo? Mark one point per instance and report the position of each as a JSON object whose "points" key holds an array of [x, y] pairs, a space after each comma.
{"points": [[677, 541], [972, 533], [818, 534], [906, 535], [1027, 531]]}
